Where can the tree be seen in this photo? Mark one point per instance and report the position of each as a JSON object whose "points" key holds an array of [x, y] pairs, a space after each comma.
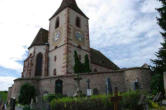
{"points": [[160, 63], [27, 92], [86, 64], [78, 65], [81, 67]]}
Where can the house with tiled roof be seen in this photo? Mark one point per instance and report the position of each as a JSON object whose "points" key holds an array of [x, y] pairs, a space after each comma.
{"points": [[50, 63]]}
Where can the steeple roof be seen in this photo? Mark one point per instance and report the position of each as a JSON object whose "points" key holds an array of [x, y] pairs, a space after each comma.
{"points": [[69, 4]]}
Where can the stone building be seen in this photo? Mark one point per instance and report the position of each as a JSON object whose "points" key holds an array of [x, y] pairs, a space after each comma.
{"points": [[49, 66]]}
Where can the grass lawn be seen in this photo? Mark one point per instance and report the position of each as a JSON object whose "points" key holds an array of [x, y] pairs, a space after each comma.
{"points": [[3, 96]]}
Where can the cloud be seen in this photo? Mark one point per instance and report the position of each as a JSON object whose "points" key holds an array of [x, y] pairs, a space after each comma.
{"points": [[6, 82]]}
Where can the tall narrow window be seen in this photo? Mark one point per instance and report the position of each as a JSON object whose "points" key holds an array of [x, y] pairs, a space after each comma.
{"points": [[57, 23], [54, 72], [39, 61], [55, 58], [78, 22]]}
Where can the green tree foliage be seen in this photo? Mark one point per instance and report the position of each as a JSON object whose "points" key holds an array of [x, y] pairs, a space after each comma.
{"points": [[160, 63], [86, 64], [77, 66], [81, 67], [27, 92], [156, 83]]}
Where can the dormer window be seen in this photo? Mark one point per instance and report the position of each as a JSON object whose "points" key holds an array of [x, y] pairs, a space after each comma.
{"points": [[57, 23], [78, 22]]}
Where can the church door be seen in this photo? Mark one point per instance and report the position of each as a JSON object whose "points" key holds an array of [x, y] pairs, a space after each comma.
{"points": [[39, 62], [59, 86]]}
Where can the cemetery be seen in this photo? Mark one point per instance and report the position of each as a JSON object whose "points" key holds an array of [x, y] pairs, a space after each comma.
{"points": [[131, 100], [62, 71]]}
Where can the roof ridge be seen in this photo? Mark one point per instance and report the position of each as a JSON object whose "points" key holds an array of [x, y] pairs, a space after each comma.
{"points": [[41, 38]]}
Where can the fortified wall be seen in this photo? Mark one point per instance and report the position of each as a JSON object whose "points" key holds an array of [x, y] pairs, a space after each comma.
{"points": [[124, 79]]}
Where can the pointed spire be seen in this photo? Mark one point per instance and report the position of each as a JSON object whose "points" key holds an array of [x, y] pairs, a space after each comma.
{"points": [[71, 4]]}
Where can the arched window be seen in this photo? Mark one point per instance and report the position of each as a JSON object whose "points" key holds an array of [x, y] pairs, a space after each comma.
{"points": [[39, 62], [78, 22], [55, 58], [59, 86], [54, 72], [57, 23]]}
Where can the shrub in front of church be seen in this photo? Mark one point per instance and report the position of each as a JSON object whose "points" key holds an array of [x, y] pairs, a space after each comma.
{"points": [[50, 97], [100, 102], [27, 92], [130, 100], [80, 67]]}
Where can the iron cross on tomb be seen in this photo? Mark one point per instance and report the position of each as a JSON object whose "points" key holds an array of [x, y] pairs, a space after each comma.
{"points": [[115, 99]]}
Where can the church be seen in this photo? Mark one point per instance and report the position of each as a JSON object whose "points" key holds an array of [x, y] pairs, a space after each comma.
{"points": [[50, 62]]}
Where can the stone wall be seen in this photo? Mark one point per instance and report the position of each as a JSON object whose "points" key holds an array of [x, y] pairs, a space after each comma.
{"points": [[19, 82], [142, 76], [120, 78]]}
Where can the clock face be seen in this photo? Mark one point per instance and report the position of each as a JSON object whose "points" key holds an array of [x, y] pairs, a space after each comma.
{"points": [[57, 36], [79, 36]]}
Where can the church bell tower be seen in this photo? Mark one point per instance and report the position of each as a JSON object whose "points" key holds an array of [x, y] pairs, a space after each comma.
{"points": [[68, 32]]}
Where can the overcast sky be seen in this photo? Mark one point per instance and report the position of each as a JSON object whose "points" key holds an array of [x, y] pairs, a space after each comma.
{"points": [[126, 31]]}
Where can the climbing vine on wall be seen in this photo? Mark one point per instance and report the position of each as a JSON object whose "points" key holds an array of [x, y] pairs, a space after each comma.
{"points": [[81, 67]]}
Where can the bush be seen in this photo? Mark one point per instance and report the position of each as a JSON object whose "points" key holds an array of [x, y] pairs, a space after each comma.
{"points": [[97, 102], [50, 97], [95, 91], [27, 92], [130, 100], [26, 107], [155, 105]]}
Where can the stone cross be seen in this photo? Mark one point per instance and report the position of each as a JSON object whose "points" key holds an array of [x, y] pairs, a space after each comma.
{"points": [[88, 83], [115, 99], [78, 79]]}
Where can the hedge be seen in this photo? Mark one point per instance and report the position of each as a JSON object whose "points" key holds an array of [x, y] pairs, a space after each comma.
{"points": [[100, 102]]}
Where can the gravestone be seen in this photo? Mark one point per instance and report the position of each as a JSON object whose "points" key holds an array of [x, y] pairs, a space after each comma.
{"points": [[108, 86], [142, 100], [157, 97], [89, 91]]}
